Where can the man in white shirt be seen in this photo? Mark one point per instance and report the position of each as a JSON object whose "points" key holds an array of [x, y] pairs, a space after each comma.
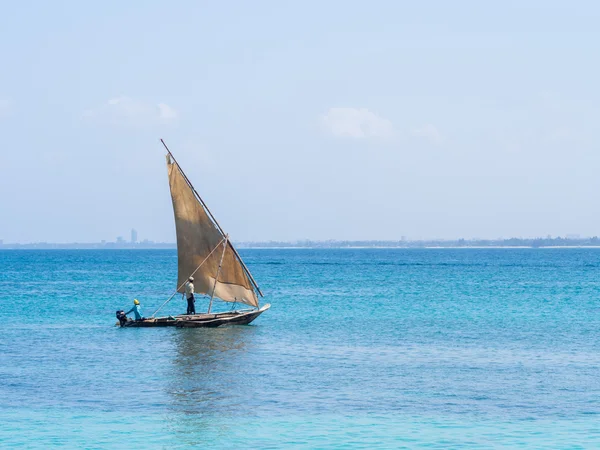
{"points": [[189, 294]]}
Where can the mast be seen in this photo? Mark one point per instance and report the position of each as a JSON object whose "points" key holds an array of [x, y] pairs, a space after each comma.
{"points": [[191, 274], [212, 294], [214, 220]]}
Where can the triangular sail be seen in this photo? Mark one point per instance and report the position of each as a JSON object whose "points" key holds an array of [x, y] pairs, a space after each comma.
{"points": [[197, 237]]}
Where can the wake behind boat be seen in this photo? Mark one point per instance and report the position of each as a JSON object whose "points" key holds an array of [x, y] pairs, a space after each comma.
{"points": [[206, 256]]}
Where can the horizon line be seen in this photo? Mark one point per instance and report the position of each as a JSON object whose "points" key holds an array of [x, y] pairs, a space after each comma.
{"points": [[403, 242]]}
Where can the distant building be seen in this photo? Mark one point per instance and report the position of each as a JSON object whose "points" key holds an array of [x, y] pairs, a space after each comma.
{"points": [[120, 240], [133, 236]]}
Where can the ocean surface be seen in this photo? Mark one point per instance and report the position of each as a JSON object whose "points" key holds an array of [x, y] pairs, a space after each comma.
{"points": [[362, 348]]}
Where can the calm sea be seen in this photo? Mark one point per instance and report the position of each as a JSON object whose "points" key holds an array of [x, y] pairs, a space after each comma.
{"points": [[361, 349]]}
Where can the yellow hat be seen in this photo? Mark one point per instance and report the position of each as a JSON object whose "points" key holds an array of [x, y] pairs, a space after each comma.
{"points": [[136, 302]]}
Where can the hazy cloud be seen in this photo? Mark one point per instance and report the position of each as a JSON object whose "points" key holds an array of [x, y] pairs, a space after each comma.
{"points": [[428, 132], [166, 112], [5, 107], [356, 123], [560, 133], [129, 111]]}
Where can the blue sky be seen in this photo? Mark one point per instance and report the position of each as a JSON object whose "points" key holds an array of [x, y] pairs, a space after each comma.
{"points": [[317, 120]]}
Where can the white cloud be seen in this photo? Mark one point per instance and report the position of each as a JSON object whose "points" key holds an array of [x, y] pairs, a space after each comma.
{"points": [[428, 132], [356, 123], [132, 112]]}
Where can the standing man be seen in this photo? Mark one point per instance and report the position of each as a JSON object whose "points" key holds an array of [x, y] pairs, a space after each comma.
{"points": [[189, 294]]}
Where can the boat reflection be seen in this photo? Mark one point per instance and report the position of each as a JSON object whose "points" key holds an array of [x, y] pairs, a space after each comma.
{"points": [[212, 370]]}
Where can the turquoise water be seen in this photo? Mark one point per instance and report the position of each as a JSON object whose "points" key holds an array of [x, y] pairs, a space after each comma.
{"points": [[361, 349]]}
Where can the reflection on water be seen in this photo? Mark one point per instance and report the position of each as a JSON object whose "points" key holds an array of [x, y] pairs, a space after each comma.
{"points": [[211, 373]]}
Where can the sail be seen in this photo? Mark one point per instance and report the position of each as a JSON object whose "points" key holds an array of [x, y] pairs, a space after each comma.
{"points": [[197, 237]]}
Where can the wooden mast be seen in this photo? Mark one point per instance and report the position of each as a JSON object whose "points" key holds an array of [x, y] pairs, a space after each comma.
{"points": [[212, 294], [191, 275], [214, 220]]}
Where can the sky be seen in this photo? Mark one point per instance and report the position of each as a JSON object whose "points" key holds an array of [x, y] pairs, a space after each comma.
{"points": [[301, 120]]}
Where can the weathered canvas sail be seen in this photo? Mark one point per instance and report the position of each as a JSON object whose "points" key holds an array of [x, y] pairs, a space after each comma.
{"points": [[197, 237]]}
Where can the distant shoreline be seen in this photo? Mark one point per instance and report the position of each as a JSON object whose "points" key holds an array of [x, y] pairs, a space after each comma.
{"points": [[413, 246], [571, 241]]}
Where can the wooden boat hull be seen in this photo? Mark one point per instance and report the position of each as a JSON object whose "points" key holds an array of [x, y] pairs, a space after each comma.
{"points": [[243, 317], [220, 319], [156, 322]]}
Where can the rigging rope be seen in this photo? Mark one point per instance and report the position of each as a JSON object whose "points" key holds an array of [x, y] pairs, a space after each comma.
{"points": [[192, 274]]}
